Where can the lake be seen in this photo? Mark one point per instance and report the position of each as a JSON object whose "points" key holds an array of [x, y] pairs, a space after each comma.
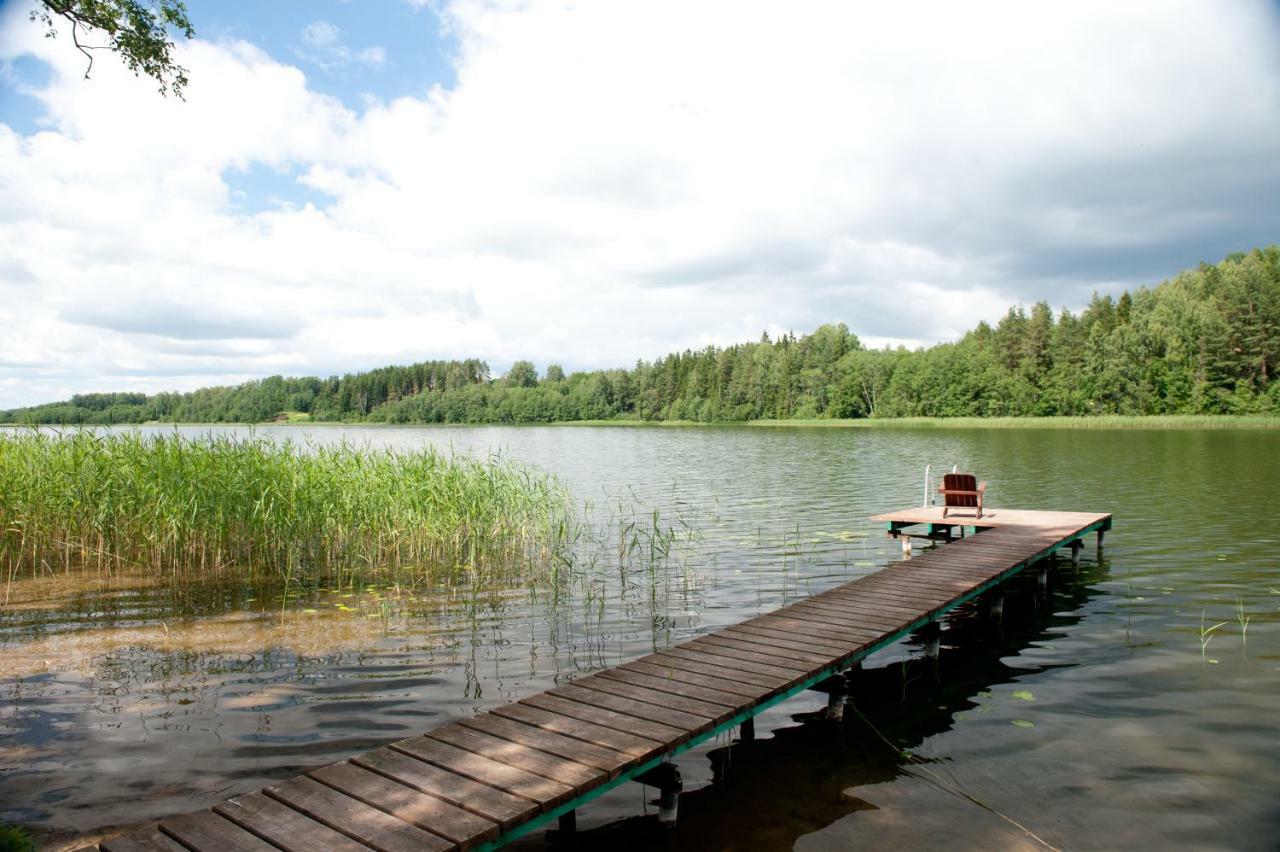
{"points": [[1132, 706]]}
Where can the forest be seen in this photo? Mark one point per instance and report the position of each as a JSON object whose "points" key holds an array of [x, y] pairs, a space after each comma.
{"points": [[1205, 342]]}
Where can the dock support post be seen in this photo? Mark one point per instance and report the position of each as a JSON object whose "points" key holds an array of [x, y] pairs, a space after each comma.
{"points": [[1101, 533], [669, 798], [1042, 581], [747, 730], [932, 640], [569, 821], [997, 606], [1076, 547], [835, 698], [906, 547], [666, 777]]}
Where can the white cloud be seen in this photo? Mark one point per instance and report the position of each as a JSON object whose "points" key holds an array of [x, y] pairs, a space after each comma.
{"points": [[611, 180]]}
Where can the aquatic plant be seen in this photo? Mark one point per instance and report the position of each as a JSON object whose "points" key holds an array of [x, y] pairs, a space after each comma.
{"points": [[1243, 618], [200, 506], [15, 839], [1206, 634]]}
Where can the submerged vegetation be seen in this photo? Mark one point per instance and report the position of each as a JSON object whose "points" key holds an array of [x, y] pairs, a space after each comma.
{"points": [[197, 507], [1207, 342]]}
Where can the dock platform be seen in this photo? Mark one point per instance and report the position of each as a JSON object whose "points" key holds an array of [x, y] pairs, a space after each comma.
{"points": [[484, 781]]}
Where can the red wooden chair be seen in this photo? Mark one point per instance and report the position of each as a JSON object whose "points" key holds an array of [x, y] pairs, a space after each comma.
{"points": [[961, 491]]}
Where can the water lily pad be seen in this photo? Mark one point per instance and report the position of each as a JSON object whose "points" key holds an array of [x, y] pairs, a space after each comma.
{"points": [[1023, 723], [1024, 695]]}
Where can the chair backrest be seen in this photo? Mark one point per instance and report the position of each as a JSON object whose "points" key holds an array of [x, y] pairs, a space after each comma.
{"points": [[960, 482]]}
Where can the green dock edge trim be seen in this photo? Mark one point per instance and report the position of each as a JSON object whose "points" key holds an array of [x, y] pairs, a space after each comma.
{"points": [[542, 819]]}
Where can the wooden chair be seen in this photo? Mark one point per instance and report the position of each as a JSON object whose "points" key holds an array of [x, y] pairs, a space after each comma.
{"points": [[961, 491]]}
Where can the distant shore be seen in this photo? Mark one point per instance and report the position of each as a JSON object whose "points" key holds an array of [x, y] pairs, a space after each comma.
{"points": [[1110, 421]]}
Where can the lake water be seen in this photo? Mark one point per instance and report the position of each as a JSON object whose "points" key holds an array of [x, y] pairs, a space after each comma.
{"points": [[1105, 714]]}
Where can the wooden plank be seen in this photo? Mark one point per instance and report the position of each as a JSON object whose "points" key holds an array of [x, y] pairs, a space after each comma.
{"points": [[879, 610], [733, 660], [925, 576], [206, 830], [805, 661], [782, 642], [687, 659], [874, 607], [784, 647], [742, 651], [915, 587], [861, 613], [972, 566], [834, 633], [545, 792], [521, 756], [858, 589], [640, 709], [887, 591], [865, 619], [588, 754], [354, 818], [282, 826], [717, 713], [833, 649], [917, 592], [661, 684], [482, 800], [588, 732], [609, 719], [147, 840], [820, 618], [427, 812], [748, 691], [741, 658]]}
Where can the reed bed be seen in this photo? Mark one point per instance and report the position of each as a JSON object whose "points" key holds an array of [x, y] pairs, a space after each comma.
{"points": [[204, 506]]}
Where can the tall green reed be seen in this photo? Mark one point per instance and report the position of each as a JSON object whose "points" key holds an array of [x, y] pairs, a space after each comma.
{"points": [[198, 506]]}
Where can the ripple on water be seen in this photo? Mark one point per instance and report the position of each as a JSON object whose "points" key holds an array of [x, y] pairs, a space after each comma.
{"points": [[125, 700]]}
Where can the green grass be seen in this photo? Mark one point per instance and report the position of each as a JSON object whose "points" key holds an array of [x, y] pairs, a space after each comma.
{"points": [[200, 506], [14, 839], [1112, 421]]}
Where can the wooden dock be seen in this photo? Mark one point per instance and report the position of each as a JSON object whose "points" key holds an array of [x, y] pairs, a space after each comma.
{"points": [[481, 782]]}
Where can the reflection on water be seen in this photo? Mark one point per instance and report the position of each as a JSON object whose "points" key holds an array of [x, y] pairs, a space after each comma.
{"points": [[822, 783], [1102, 716]]}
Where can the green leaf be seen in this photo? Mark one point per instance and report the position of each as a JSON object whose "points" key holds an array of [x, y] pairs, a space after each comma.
{"points": [[1024, 695], [1023, 723]]}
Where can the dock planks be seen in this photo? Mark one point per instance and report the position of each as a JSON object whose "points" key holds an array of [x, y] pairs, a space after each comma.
{"points": [[488, 779]]}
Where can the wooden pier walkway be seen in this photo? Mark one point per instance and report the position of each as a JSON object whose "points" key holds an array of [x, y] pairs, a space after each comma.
{"points": [[484, 781]]}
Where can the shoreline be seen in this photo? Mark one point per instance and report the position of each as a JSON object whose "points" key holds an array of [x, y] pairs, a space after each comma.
{"points": [[1105, 421]]}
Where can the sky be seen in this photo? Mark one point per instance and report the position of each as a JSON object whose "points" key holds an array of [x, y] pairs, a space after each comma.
{"points": [[353, 184]]}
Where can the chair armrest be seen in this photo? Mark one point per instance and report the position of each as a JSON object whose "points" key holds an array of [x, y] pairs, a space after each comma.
{"points": [[982, 486]]}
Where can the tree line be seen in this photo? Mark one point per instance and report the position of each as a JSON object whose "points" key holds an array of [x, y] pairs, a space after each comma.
{"points": [[1205, 342]]}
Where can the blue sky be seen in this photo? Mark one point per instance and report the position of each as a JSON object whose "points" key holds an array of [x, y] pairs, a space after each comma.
{"points": [[418, 53], [354, 184]]}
